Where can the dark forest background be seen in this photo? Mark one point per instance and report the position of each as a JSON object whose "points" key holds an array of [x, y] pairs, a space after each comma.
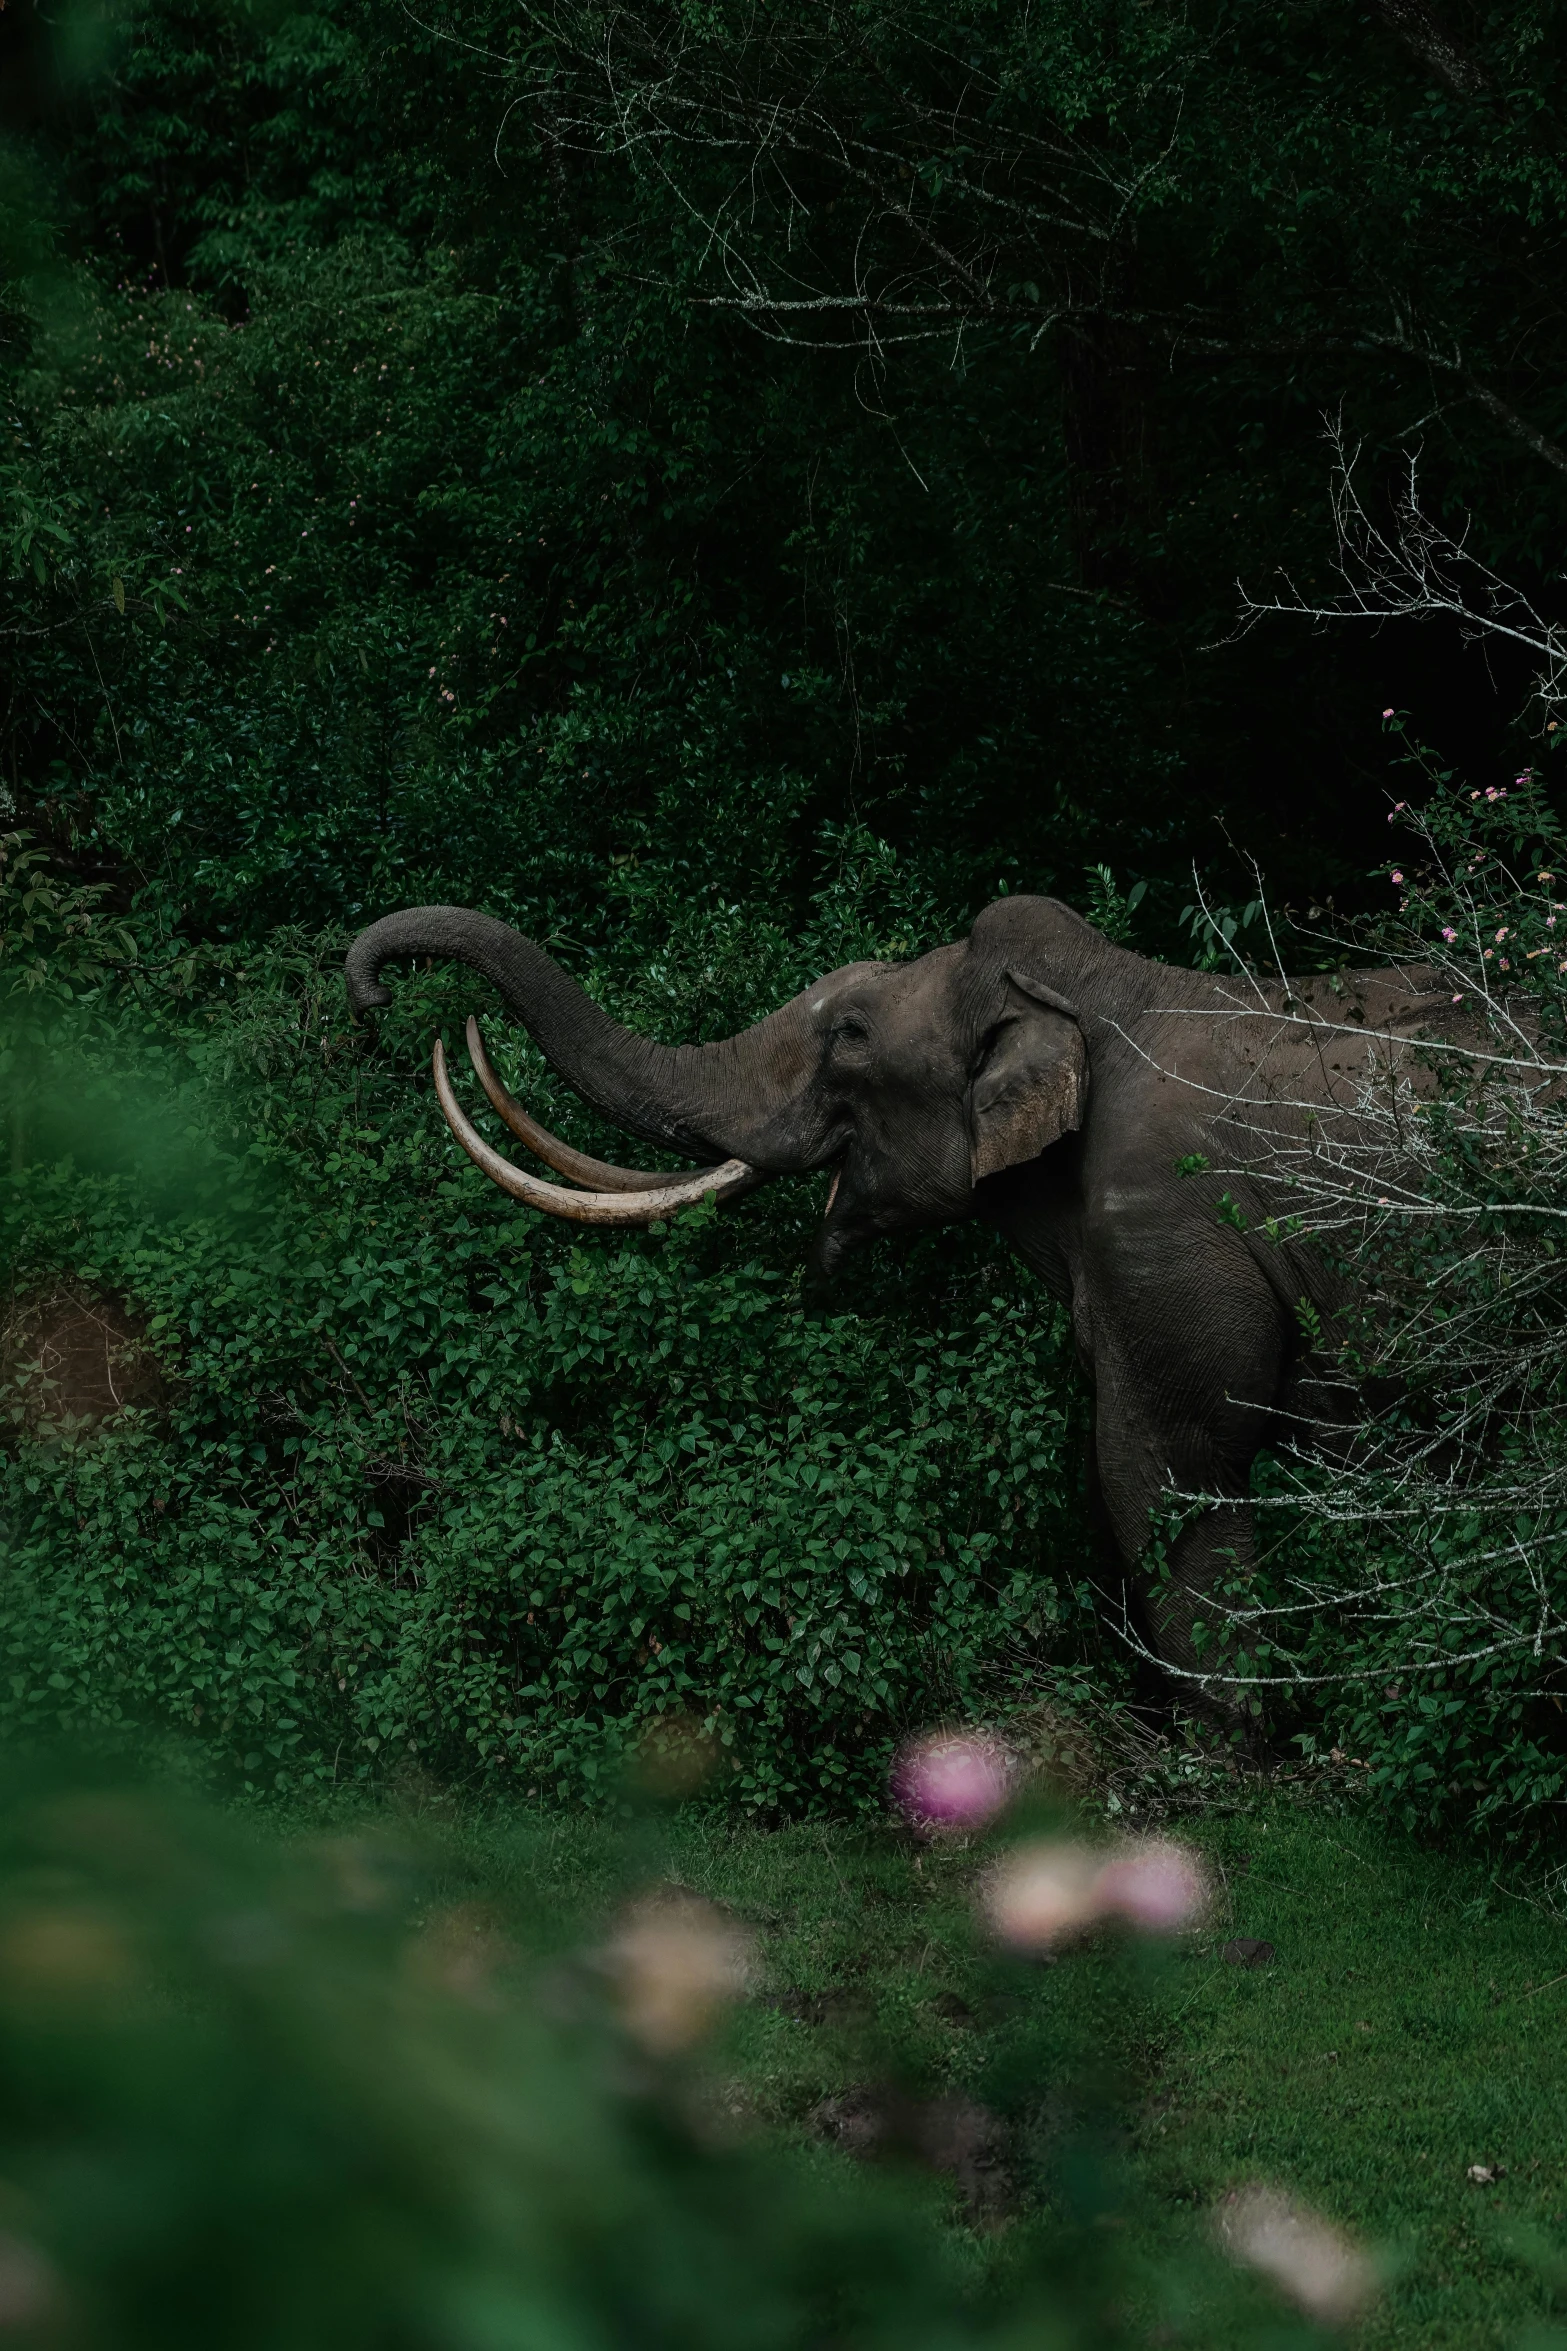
{"points": [[479, 525], [724, 487]]}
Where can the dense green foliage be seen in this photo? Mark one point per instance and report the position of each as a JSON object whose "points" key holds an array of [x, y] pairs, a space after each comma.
{"points": [[398, 506], [434, 1480], [382, 474]]}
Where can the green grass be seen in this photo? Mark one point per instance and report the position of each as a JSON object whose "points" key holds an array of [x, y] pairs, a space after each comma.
{"points": [[1412, 2024], [1408, 2026]]}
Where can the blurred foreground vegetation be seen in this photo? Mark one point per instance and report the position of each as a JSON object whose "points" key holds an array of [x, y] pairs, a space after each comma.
{"points": [[309, 2092], [429, 2074]]}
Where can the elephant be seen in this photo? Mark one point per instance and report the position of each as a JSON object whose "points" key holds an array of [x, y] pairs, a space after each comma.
{"points": [[1121, 1122]]}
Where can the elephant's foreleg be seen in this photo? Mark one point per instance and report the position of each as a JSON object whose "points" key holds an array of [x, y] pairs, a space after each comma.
{"points": [[1154, 1445], [1187, 1601], [1182, 1594]]}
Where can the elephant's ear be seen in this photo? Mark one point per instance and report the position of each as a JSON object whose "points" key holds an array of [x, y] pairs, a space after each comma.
{"points": [[1032, 1084]]}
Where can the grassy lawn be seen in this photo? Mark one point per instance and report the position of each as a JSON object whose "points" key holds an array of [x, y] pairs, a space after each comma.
{"points": [[1408, 2026], [1411, 2025]]}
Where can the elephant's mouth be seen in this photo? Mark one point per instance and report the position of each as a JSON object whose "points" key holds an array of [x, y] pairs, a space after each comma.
{"points": [[848, 1221]]}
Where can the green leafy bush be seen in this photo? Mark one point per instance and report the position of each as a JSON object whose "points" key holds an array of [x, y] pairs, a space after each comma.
{"points": [[391, 506], [436, 1482]]}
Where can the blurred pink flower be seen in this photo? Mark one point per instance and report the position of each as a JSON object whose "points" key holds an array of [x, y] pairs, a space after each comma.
{"points": [[1321, 2269], [1158, 1886], [1387, 714], [1448, 933], [1397, 877], [952, 1780], [1047, 1890], [1041, 1892]]}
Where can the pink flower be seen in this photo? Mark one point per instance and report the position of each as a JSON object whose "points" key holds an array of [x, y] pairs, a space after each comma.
{"points": [[1397, 877], [1158, 1886], [1049, 1889], [954, 1780], [1323, 2271], [1501, 934], [1448, 933], [1042, 1892], [1387, 714]]}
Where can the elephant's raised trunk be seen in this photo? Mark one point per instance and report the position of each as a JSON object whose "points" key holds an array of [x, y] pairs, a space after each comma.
{"points": [[716, 1101]]}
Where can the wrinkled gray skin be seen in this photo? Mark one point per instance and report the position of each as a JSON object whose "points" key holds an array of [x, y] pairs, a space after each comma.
{"points": [[1038, 1077]]}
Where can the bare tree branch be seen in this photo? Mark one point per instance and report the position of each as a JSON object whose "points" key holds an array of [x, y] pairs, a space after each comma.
{"points": [[1422, 31], [1419, 1486], [1411, 568]]}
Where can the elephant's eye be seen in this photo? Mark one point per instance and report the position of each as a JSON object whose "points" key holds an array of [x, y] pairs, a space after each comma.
{"points": [[850, 1031]]}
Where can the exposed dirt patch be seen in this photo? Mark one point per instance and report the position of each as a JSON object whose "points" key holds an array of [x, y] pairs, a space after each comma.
{"points": [[70, 1357], [952, 2135]]}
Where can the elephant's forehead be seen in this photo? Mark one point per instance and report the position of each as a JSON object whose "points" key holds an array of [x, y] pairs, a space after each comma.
{"points": [[835, 988], [897, 995]]}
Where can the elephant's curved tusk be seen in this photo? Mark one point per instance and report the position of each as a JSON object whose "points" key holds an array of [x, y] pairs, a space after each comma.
{"points": [[594, 1175], [616, 1208]]}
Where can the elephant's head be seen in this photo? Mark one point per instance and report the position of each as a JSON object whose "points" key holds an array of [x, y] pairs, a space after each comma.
{"points": [[914, 1082]]}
